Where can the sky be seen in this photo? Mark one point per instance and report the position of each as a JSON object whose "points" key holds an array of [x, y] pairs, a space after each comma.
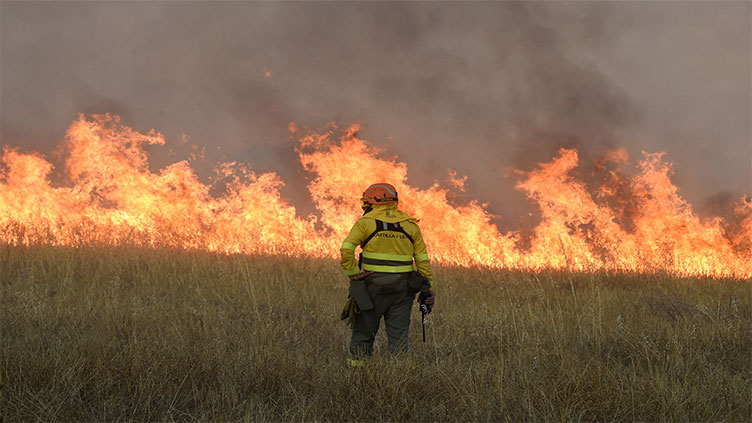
{"points": [[481, 88]]}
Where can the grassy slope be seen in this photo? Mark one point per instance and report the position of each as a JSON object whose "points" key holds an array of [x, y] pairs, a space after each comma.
{"points": [[134, 334]]}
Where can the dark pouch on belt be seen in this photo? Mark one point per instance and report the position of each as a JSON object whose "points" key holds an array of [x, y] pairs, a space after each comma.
{"points": [[386, 285], [359, 292], [417, 282]]}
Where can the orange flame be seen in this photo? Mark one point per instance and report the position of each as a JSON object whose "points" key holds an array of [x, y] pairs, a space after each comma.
{"points": [[635, 223]]}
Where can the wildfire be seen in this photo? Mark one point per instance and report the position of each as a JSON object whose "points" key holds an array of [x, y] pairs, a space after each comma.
{"points": [[635, 221]]}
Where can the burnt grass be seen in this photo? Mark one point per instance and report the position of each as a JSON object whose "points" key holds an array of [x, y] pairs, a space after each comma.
{"points": [[155, 335]]}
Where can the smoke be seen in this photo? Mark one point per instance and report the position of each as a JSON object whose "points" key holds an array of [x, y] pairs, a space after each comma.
{"points": [[481, 88]]}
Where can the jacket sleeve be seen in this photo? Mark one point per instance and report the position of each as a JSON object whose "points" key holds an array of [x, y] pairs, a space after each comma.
{"points": [[354, 238], [421, 255]]}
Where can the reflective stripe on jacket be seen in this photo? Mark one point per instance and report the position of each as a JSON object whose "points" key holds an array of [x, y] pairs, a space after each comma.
{"points": [[387, 251]]}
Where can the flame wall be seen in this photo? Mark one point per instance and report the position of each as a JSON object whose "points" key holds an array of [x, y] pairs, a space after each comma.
{"points": [[634, 221]]}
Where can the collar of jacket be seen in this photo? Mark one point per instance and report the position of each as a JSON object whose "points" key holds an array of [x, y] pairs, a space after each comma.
{"points": [[389, 213]]}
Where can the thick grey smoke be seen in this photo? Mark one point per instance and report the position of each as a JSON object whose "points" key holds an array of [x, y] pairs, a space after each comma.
{"points": [[480, 88]]}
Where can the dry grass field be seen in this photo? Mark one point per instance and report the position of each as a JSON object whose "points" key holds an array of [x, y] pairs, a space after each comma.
{"points": [[134, 334]]}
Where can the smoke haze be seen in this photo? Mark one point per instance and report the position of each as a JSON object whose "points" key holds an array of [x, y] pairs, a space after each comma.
{"points": [[481, 88]]}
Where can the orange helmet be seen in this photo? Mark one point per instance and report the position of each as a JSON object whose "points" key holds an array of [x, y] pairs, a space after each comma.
{"points": [[380, 194]]}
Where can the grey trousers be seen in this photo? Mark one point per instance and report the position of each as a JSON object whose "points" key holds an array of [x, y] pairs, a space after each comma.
{"points": [[391, 300]]}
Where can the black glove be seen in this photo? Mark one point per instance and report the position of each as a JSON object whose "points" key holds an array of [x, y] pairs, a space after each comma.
{"points": [[426, 299]]}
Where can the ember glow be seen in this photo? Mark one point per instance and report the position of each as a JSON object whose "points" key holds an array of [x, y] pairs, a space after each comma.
{"points": [[635, 221]]}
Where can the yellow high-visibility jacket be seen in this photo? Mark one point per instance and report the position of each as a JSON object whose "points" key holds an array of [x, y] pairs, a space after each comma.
{"points": [[388, 251]]}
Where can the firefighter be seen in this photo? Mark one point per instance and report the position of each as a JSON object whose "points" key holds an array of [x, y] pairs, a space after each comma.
{"points": [[390, 240]]}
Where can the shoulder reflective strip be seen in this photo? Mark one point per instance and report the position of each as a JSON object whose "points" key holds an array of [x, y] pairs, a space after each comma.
{"points": [[348, 246], [385, 256], [387, 269], [354, 271], [421, 257], [355, 363]]}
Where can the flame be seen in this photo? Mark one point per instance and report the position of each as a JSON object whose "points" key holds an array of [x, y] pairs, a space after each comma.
{"points": [[634, 221]]}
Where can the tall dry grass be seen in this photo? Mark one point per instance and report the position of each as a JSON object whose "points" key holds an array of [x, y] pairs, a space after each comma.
{"points": [[135, 334]]}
